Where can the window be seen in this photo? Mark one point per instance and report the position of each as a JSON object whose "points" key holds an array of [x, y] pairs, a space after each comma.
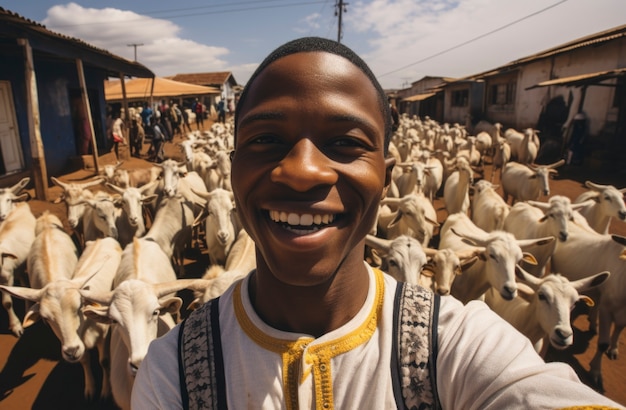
{"points": [[502, 94], [460, 98]]}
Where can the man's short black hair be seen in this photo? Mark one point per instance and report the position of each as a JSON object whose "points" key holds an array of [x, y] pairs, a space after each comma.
{"points": [[312, 44]]}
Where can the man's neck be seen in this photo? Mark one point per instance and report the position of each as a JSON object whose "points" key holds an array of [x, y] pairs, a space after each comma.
{"points": [[313, 310]]}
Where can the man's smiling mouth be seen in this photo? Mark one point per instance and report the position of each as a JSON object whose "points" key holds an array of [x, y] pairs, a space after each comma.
{"points": [[302, 223]]}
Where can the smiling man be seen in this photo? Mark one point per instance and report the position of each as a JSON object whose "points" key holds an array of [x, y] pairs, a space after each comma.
{"points": [[313, 326]]}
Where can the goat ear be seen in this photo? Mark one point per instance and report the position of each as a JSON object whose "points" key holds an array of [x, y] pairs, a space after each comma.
{"points": [[32, 316], [99, 314], [427, 270], [196, 303], [466, 264], [170, 305], [587, 300], [529, 258]]}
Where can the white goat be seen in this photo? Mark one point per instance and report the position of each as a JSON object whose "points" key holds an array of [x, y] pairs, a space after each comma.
{"points": [[52, 254], [488, 208], [403, 257], [443, 266], [221, 224], [588, 251], [456, 187], [498, 253], [78, 214], [139, 308], [542, 310], [602, 203], [414, 215], [17, 234], [524, 183], [59, 303], [533, 219], [10, 196], [132, 202]]}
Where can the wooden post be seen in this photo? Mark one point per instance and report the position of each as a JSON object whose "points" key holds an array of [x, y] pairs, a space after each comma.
{"points": [[152, 92], [125, 151], [85, 101], [40, 170]]}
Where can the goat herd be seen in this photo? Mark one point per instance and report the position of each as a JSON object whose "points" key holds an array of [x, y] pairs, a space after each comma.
{"points": [[112, 285]]}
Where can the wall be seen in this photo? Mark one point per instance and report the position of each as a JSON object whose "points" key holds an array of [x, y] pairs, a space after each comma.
{"points": [[54, 81]]}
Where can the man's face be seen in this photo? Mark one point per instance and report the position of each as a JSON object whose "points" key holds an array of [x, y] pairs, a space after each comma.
{"points": [[309, 168]]}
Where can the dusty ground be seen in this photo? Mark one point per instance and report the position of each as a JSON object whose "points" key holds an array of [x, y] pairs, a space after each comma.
{"points": [[33, 375]]}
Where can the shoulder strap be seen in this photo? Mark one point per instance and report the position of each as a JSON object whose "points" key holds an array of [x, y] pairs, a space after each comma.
{"points": [[413, 362], [200, 360]]}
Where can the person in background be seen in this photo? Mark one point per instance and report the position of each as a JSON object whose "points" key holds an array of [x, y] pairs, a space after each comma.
{"points": [[185, 115], [313, 326], [146, 115], [156, 151], [221, 111], [117, 133], [199, 111], [395, 117]]}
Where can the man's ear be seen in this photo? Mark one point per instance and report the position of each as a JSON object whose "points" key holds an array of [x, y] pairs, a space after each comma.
{"points": [[389, 164]]}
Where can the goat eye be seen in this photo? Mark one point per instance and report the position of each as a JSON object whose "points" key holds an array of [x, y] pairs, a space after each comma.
{"points": [[608, 198], [156, 312], [492, 256], [393, 263], [542, 297]]}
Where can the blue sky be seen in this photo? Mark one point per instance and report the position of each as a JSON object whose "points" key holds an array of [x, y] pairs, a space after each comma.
{"points": [[401, 40]]}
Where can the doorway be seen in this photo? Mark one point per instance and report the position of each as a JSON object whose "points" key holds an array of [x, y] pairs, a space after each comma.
{"points": [[11, 157]]}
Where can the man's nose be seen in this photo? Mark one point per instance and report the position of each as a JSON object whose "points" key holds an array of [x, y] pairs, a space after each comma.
{"points": [[304, 167]]}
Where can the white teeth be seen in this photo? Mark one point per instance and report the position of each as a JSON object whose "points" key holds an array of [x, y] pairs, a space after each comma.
{"points": [[306, 220], [301, 220], [293, 219]]}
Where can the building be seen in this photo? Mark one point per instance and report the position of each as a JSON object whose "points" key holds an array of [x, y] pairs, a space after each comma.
{"points": [[52, 102], [422, 98], [224, 80], [545, 91]]}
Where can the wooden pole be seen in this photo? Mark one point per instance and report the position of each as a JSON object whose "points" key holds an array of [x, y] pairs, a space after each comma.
{"points": [[85, 101], [126, 117], [124, 102], [40, 171]]}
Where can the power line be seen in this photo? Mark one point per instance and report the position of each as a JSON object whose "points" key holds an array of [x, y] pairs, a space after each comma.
{"points": [[473, 39], [236, 10]]}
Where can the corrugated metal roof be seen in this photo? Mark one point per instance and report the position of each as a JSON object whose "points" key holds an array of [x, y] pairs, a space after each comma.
{"points": [[582, 79], [139, 88], [215, 78], [418, 97], [14, 26], [590, 40]]}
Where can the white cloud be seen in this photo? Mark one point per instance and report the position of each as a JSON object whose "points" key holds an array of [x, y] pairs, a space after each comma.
{"points": [[427, 37], [310, 22], [401, 40], [162, 50]]}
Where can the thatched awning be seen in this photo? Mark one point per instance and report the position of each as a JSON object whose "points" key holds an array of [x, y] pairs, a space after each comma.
{"points": [[139, 89]]}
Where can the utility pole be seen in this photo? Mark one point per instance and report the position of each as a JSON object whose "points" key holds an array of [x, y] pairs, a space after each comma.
{"points": [[340, 8], [135, 45]]}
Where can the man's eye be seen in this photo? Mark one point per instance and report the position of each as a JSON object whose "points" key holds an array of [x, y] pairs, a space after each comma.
{"points": [[265, 139], [347, 142]]}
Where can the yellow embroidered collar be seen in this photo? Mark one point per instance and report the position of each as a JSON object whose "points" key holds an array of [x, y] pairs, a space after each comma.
{"points": [[316, 358]]}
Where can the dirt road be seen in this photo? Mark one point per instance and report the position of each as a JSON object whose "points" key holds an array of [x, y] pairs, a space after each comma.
{"points": [[33, 375]]}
